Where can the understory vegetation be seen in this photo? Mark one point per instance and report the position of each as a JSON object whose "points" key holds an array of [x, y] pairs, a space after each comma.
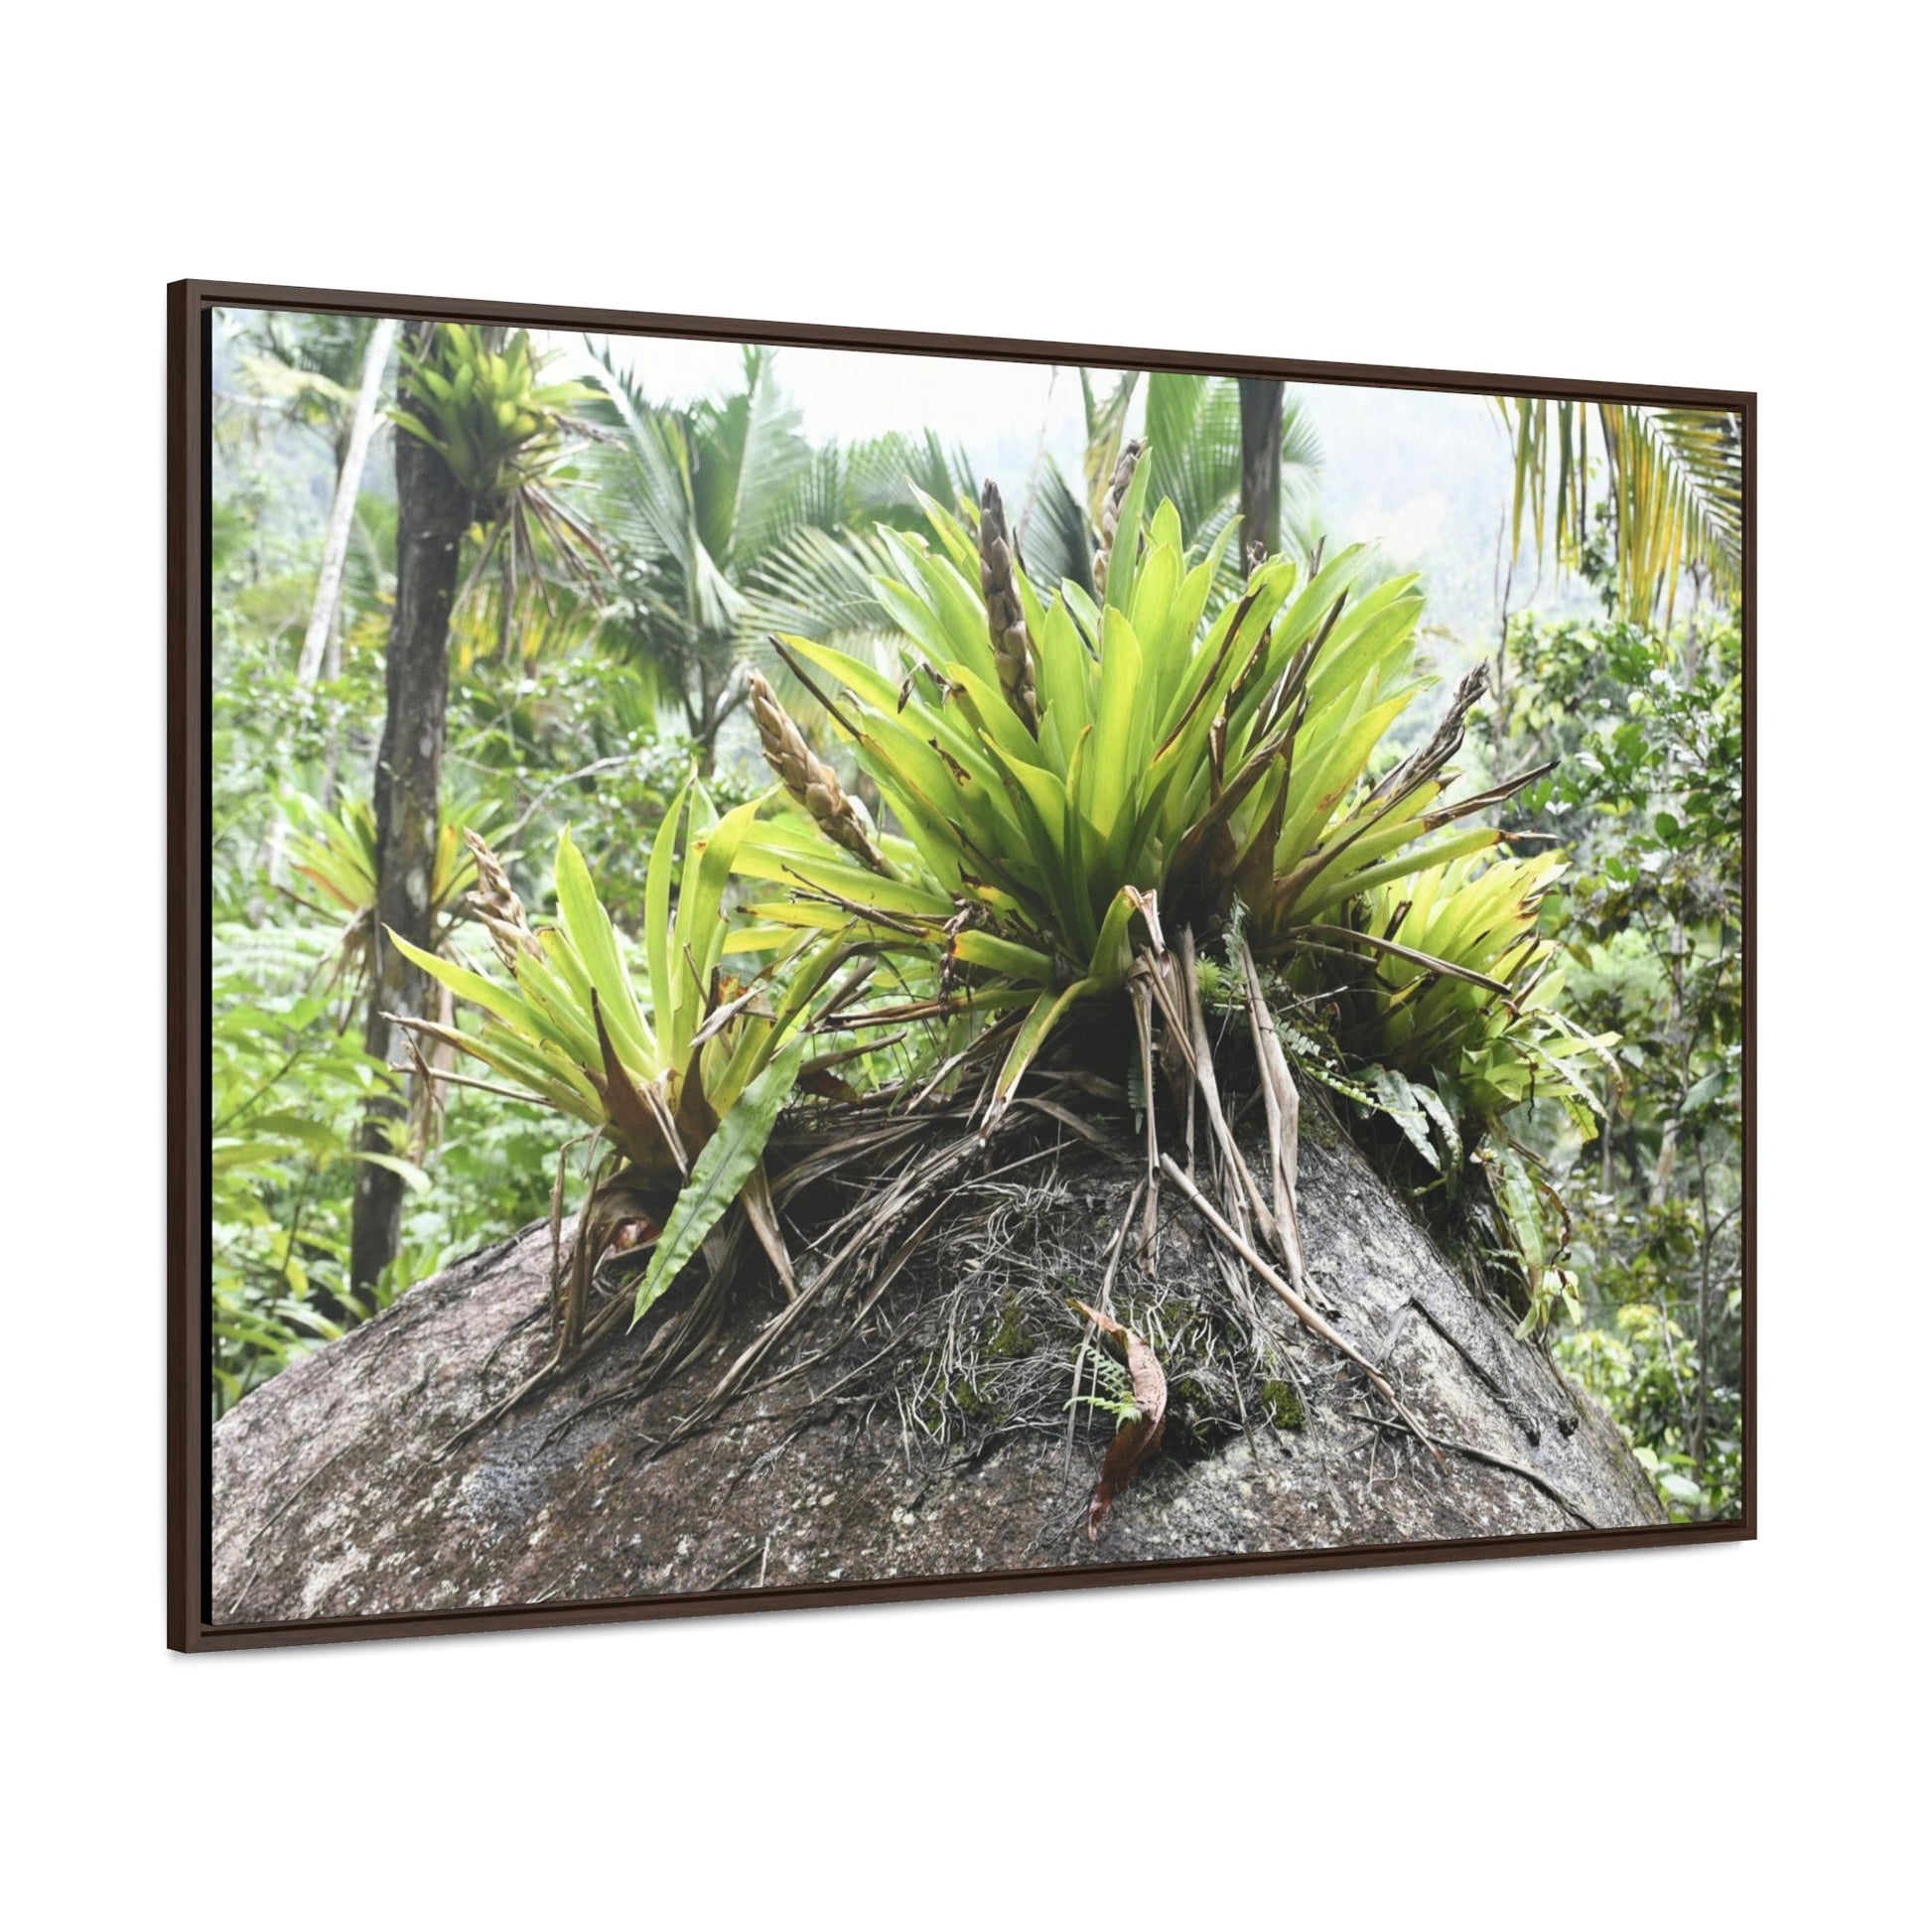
{"points": [[635, 815]]}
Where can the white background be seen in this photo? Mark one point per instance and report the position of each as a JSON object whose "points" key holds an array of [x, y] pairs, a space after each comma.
{"points": [[1676, 194]]}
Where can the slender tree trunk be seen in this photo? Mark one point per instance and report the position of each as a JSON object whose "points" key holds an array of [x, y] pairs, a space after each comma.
{"points": [[1261, 463], [1674, 1021], [431, 513], [332, 751], [342, 513], [1701, 1427], [320, 645], [1499, 671], [718, 698]]}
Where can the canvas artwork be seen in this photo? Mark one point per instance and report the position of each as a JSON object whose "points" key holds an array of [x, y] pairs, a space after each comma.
{"points": [[813, 968]]}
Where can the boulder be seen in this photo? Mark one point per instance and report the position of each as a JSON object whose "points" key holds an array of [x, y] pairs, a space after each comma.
{"points": [[930, 1439]]}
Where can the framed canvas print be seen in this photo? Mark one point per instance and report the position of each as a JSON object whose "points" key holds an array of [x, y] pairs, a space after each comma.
{"points": [[813, 965]]}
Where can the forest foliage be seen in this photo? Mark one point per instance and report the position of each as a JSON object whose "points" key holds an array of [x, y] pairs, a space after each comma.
{"points": [[1523, 984]]}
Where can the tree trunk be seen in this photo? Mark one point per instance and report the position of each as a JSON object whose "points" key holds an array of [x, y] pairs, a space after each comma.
{"points": [[718, 697], [330, 1499], [342, 513], [431, 513], [321, 642], [1261, 463], [332, 744]]}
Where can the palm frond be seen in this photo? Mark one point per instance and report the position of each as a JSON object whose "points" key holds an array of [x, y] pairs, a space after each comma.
{"points": [[1193, 433], [1678, 477], [886, 477], [751, 463], [1675, 482], [1054, 534], [1300, 462]]}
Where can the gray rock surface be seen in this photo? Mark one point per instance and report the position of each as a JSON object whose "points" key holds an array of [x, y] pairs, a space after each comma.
{"points": [[329, 1500]]}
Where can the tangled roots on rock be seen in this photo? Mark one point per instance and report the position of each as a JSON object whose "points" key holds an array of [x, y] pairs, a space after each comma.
{"points": [[993, 1348]]}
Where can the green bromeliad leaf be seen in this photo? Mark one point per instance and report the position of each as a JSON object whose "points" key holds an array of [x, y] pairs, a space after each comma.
{"points": [[721, 1171]]}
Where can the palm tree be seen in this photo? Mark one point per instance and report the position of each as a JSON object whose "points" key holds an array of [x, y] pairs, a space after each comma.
{"points": [[324, 373], [724, 524], [819, 581], [1675, 492]]}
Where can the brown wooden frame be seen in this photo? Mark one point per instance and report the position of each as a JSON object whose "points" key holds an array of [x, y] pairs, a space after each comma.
{"points": [[187, 1404]]}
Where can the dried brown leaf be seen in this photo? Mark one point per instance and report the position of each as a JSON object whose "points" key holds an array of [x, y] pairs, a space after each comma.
{"points": [[1138, 1440]]}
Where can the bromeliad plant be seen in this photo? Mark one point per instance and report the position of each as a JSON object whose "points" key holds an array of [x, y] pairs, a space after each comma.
{"points": [[1451, 1050], [477, 399], [337, 857], [1491, 1034], [1068, 771], [678, 1079]]}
